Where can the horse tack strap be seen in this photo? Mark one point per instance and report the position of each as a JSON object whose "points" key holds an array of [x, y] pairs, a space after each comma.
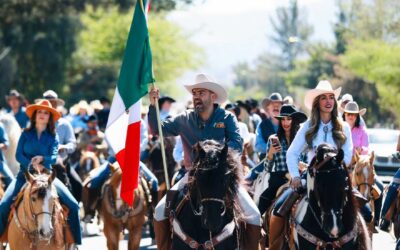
{"points": [[210, 244], [320, 243]]}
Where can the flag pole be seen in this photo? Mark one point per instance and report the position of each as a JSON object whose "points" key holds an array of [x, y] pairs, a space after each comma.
{"points": [[160, 133]]}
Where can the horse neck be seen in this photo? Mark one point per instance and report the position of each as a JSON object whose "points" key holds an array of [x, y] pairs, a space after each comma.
{"points": [[24, 211]]}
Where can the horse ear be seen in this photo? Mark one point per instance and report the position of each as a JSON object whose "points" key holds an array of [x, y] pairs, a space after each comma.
{"points": [[29, 177], [356, 156], [372, 158], [52, 176], [113, 167], [340, 155]]}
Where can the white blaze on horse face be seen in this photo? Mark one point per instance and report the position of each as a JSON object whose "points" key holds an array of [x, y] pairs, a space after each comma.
{"points": [[366, 174], [310, 184], [119, 202], [335, 229], [46, 225]]}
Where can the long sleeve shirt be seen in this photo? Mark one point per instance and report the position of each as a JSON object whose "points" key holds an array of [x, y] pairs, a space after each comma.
{"points": [[360, 139], [20, 116], [3, 139], [221, 126], [263, 132], [29, 146], [66, 135], [299, 145]]}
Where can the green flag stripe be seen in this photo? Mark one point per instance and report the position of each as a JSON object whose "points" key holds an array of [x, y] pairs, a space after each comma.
{"points": [[136, 70]]}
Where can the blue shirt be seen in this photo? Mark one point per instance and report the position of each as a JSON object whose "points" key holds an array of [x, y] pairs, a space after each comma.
{"points": [[29, 146], [3, 139], [263, 132], [20, 116], [66, 135], [222, 126]]}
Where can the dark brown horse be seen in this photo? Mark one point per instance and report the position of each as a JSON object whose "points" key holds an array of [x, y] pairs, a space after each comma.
{"points": [[208, 216], [117, 215]]}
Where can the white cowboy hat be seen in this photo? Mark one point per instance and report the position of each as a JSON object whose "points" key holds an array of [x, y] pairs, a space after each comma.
{"points": [[51, 95], [204, 81], [352, 108], [323, 87]]}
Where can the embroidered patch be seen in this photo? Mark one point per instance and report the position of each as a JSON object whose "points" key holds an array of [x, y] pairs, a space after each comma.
{"points": [[219, 125]]}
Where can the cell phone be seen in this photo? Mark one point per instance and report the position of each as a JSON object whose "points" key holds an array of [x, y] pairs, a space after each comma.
{"points": [[275, 142]]}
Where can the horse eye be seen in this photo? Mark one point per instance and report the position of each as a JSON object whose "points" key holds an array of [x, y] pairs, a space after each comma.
{"points": [[33, 199]]}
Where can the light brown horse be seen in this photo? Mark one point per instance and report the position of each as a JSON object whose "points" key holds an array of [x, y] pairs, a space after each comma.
{"points": [[117, 215], [87, 163], [363, 175], [38, 217], [1, 187]]}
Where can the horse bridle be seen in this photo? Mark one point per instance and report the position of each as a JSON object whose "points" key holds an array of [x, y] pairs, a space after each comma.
{"points": [[365, 184], [35, 215]]}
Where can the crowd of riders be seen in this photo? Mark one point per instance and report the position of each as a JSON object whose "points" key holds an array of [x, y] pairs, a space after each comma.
{"points": [[276, 137]]}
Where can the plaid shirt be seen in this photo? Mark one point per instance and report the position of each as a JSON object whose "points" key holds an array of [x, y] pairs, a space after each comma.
{"points": [[278, 162]]}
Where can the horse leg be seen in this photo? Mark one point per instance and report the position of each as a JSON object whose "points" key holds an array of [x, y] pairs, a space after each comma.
{"points": [[112, 233], [276, 232], [135, 234], [162, 230]]}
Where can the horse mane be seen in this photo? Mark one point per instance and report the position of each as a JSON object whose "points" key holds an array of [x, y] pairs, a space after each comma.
{"points": [[92, 156], [233, 174], [116, 176]]}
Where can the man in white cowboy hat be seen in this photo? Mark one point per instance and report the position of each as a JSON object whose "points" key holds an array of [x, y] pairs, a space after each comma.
{"points": [[15, 100], [206, 121], [269, 125]]}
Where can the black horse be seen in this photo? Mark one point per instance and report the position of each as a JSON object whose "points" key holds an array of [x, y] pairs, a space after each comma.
{"points": [[206, 218], [326, 218]]}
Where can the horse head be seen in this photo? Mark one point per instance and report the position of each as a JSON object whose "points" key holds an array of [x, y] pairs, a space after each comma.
{"points": [[214, 184], [328, 189], [363, 174], [39, 202]]}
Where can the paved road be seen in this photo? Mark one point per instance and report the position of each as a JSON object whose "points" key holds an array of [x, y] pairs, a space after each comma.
{"points": [[381, 241]]}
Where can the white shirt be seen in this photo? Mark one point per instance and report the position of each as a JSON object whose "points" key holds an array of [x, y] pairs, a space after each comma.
{"points": [[299, 144], [244, 131]]}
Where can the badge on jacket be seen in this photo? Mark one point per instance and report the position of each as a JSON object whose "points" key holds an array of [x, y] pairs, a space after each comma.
{"points": [[219, 125]]}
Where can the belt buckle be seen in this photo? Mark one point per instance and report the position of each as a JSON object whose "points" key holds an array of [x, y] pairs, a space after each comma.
{"points": [[193, 244]]}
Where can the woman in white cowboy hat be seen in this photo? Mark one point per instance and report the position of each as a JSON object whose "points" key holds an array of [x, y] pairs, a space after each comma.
{"points": [[323, 126], [352, 115], [37, 150]]}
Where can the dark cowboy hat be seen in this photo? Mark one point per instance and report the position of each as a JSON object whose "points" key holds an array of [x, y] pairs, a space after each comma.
{"points": [[51, 96], [164, 99], [291, 111], [274, 97], [252, 103], [235, 108], [244, 105], [91, 118], [14, 93]]}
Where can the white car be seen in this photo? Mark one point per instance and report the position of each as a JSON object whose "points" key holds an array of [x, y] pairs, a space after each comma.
{"points": [[384, 142]]}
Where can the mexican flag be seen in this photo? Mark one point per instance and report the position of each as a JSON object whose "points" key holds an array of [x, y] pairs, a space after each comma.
{"points": [[123, 126]]}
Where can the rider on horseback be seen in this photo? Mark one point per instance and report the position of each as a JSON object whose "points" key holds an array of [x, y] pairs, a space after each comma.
{"points": [[207, 121], [38, 147], [4, 170], [324, 126]]}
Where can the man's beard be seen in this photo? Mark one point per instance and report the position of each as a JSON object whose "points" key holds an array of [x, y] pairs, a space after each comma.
{"points": [[199, 105]]}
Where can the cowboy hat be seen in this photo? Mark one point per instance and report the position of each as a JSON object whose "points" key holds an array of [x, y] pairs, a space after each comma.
{"points": [[274, 97], [96, 104], [323, 87], [42, 105], [164, 99], [204, 81], [51, 96], [288, 110], [14, 93], [352, 108]]}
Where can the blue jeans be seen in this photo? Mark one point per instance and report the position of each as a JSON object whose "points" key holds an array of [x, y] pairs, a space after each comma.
{"points": [[391, 194], [101, 174], [63, 193], [7, 174]]}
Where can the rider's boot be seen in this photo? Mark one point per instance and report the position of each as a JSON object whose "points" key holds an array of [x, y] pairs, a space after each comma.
{"points": [[162, 230], [276, 232], [252, 237], [385, 222]]}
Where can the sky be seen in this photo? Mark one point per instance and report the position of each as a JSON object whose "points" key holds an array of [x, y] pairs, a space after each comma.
{"points": [[232, 31]]}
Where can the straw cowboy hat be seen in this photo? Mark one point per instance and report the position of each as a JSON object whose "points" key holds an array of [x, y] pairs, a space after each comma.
{"points": [[288, 110], [204, 81], [51, 96], [96, 104], [16, 94], [42, 105], [352, 108], [323, 87], [82, 104]]}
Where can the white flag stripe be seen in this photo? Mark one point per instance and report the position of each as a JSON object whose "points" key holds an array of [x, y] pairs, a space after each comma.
{"points": [[117, 108]]}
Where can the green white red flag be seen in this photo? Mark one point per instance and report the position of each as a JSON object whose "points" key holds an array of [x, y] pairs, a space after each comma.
{"points": [[123, 126]]}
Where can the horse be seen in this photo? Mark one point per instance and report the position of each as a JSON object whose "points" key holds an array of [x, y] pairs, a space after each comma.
{"points": [[13, 131], [326, 217], [363, 175], [1, 187], [154, 162], [87, 162], [117, 215], [38, 219], [207, 216]]}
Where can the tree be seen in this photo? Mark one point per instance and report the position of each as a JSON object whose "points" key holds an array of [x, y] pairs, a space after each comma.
{"points": [[102, 44], [291, 33], [378, 62]]}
